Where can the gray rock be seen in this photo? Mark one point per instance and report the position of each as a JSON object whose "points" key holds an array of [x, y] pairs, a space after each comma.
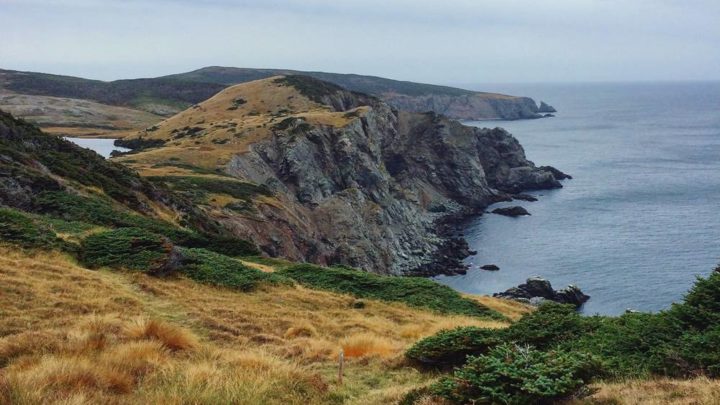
{"points": [[374, 193], [546, 108], [537, 289], [515, 211], [490, 267]]}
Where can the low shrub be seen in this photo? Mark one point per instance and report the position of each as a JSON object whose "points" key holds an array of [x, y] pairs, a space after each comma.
{"points": [[451, 347], [129, 248], [511, 374], [414, 291], [212, 268], [549, 325], [26, 231]]}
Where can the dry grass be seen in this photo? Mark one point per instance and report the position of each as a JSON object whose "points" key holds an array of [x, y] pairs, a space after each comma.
{"points": [[699, 391], [73, 336], [512, 309], [226, 130]]}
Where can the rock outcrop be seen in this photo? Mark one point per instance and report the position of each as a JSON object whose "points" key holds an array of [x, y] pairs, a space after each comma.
{"points": [[515, 211], [353, 180], [546, 108], [537, 290]]}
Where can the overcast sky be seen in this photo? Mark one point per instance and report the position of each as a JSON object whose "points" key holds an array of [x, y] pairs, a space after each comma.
{"points": [[447, 41]]}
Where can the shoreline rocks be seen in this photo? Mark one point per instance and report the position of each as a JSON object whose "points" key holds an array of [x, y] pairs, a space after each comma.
{"points": [[515, 211], [524, 197], [490, 267], [537, 290], [546, 108]]}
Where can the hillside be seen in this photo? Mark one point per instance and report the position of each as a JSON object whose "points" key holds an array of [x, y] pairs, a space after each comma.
{"points": [[313, 172], [51, 100], [115, 290]]}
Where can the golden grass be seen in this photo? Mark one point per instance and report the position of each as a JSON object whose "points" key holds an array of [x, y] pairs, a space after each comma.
{"points": [[699, 391], [227, 130], [74, 336], [512, 309]]}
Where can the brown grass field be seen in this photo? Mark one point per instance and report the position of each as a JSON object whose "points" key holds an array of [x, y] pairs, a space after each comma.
{"points": [[69, 335]]}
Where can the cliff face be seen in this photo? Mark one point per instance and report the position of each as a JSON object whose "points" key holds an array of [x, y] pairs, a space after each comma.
{"points": [[356, 182], [474, 106]]}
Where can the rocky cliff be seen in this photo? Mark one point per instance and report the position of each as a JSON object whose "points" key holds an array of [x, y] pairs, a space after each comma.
{"points": [[351, 180]]}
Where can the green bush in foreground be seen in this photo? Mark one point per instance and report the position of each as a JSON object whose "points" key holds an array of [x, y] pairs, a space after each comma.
{"points": [[414, 291], [130, 248], [510, 374], [209, 267], [451, 347]]}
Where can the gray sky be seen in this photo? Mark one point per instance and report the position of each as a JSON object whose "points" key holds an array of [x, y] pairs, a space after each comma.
{"points": [[448, 41]]}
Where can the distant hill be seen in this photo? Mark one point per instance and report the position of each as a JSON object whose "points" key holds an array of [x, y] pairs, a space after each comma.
{"points": [[168, 95]]}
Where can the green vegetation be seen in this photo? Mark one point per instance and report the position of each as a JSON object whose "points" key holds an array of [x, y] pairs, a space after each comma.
{"points": [[510, 374], [296, 125], [138, 249], [26, 231], [130, 248], [197, 188], [682, 341], [310, 87], [273, 262], [451, 347], [211, 268], [414, 291]]}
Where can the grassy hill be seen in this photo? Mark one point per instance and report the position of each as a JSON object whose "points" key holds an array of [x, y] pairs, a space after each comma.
{"points": [[167, 95]]}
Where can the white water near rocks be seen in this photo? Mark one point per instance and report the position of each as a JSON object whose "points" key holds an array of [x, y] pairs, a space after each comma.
{"points": [[104, 147], [640, 219]]}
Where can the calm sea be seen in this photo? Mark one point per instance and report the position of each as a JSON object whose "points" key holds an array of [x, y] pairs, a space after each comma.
{"points": [[639, 221]]}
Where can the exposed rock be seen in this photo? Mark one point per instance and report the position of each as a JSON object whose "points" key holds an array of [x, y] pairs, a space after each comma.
{"points": [[357, 182], [546, 108], [515, 211], [536, 289], [490, 267], [548, 115], [524, 197], [556, 173]]}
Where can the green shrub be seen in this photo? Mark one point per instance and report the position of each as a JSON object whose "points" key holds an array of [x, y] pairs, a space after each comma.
{"points": [[451, 347], [632, 345], [549, 325], [414, 291], [510, 374], [212, 268], [26, 231], [701, 307], [129, 248], [100, 211]]}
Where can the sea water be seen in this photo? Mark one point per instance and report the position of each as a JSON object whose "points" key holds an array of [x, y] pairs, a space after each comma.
{"points": [[639, 221]]}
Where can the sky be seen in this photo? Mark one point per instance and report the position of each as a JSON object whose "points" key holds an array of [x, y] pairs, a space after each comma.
{"points": [[445, 41]]}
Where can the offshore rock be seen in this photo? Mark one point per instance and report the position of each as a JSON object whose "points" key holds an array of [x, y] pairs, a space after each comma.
{"points": [[537, 290], [515, 211]]}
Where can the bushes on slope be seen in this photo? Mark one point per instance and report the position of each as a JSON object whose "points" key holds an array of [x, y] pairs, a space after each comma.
{"points": [[212, 268], [130, 248], [451, 347], [26, 231], [414, 291], [138, 249], [511, 374]]}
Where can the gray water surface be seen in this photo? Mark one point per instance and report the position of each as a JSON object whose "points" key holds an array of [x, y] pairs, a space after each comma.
{"points": [[103, 147], [638, 222]]}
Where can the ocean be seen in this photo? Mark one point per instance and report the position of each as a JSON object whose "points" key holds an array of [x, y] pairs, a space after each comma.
{"points": [[639, 220]]}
